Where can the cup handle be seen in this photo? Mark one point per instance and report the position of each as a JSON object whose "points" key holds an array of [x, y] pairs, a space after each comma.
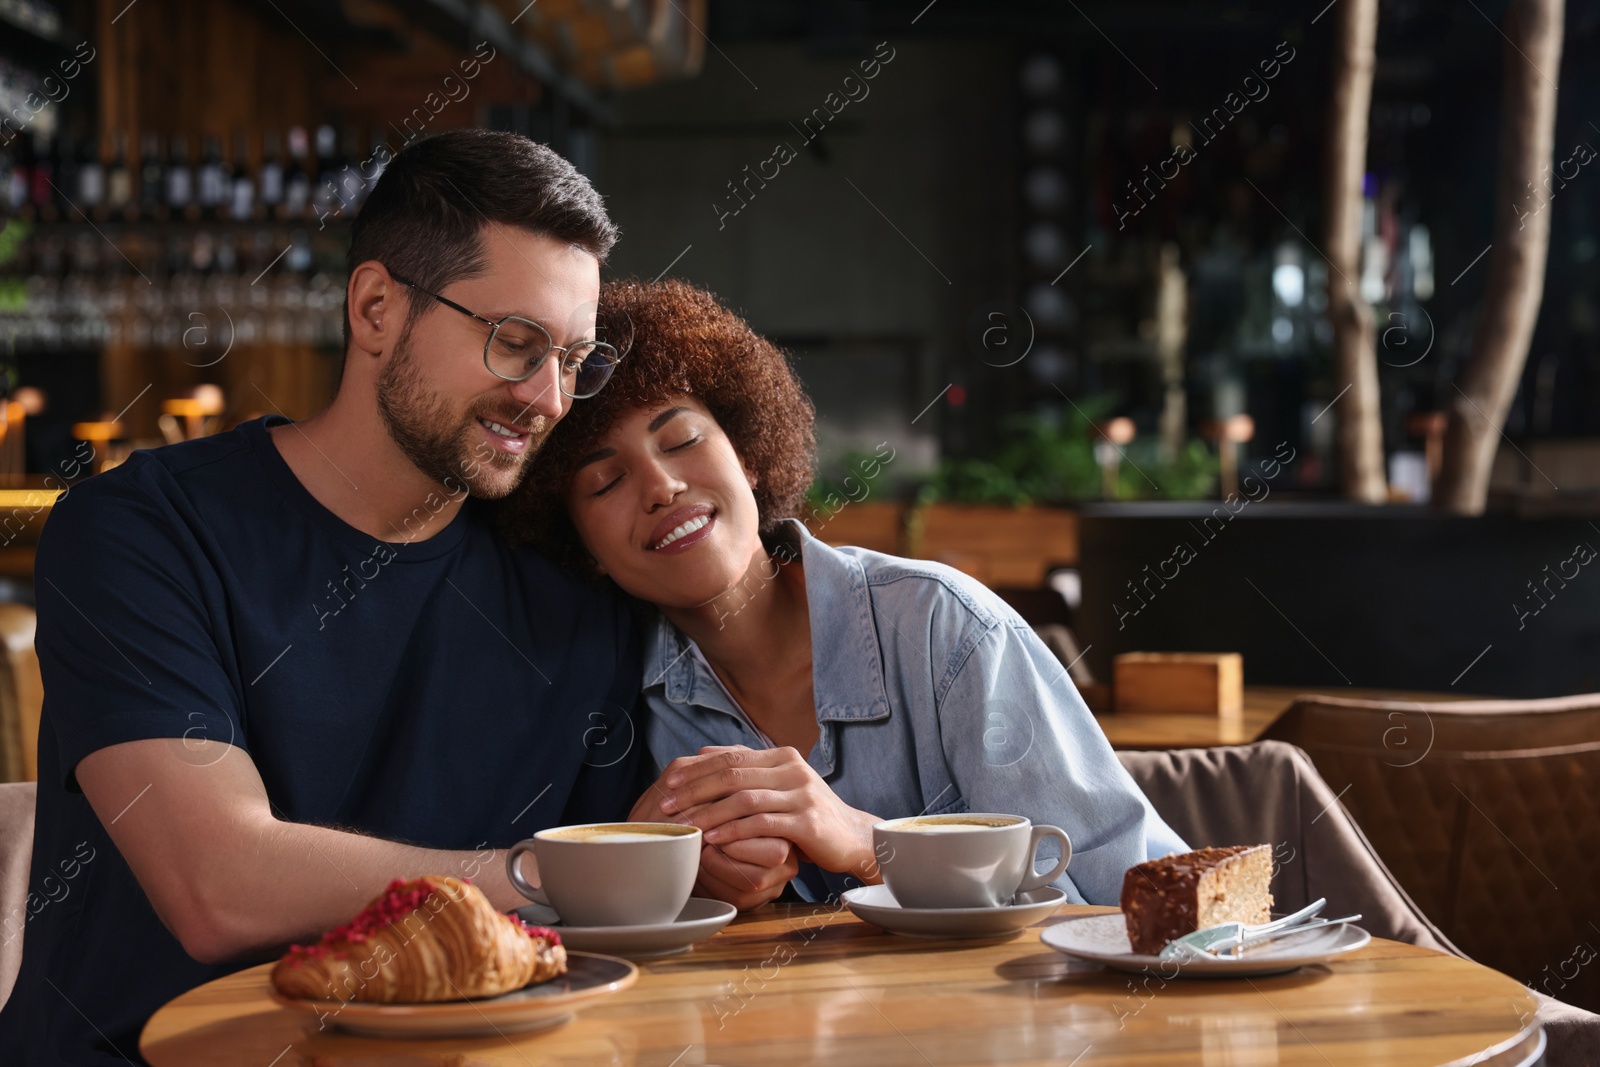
{"points": [[1036, 879], [533, 892]]}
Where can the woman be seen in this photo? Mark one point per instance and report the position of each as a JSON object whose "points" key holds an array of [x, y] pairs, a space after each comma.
{"points": [[798, 691]]}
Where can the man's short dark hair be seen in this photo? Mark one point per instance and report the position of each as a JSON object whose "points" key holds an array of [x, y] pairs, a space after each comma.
{"points": [[425, 217]]}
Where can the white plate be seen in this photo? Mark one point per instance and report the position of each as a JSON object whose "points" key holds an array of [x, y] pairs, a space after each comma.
{"points": [[877, 905], [1104, 939], [699, 919], [589, 977]]}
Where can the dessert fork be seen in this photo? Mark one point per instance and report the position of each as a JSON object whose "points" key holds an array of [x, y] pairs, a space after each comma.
{"points": [[1223, 933], [1232, 951]]}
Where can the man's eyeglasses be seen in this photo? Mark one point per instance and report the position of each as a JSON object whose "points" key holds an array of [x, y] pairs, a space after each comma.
{"points": [[517, 348]]}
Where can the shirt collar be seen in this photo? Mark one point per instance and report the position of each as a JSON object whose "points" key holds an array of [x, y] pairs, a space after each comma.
{"points": [[847, 672]]}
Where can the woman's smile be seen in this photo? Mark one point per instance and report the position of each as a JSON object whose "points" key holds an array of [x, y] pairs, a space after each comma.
{"points": [[683, 529]]}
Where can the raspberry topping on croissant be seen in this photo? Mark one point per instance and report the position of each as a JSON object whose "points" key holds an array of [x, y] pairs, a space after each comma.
{"points": [[427, 939]]}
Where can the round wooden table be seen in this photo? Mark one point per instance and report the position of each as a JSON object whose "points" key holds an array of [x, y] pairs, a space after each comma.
{"points": [[812, 984]]}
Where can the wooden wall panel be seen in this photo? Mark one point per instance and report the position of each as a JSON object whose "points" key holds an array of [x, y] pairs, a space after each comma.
{"points": [[182, 68]]}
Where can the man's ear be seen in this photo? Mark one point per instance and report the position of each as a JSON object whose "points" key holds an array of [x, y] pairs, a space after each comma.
{"points": [[376, 313]]}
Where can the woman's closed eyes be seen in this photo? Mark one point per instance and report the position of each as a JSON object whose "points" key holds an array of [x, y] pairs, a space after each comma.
{"points": [[693, 440]]}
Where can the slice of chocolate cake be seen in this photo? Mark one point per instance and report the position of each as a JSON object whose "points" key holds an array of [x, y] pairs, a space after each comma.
{"points": [[1176, 895]]}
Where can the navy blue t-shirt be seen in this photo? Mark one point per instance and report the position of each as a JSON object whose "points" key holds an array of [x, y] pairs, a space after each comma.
{"points": [[451, 693]]}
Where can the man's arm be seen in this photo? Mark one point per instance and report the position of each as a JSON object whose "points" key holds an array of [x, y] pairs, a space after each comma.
{"points": [[224, 873]]}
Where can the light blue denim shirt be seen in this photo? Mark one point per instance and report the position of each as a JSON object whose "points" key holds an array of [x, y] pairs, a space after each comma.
{"points": [[933, 696]]}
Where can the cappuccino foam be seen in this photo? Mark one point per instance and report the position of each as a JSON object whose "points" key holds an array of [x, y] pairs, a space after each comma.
{"points": [[620, 833], [957, 824]]}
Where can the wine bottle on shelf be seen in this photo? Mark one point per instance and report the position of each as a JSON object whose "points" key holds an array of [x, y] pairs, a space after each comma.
{"points": [[119, 179], [271, 174], [242, 197], [42, 189], [299, 259], [202, 251], [177, 253], [152, 178], [324, 195], [352, 190], [228, 252], [180, 179], [19, 181], [214, 180], [91, 180], [297, 177], [64, 191]]}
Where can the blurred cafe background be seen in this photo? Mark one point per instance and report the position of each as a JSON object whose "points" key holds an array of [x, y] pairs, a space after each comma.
{"points": [[1246, 348], [1057, 276]]}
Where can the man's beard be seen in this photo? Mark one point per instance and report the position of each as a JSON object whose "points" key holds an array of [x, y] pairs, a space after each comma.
{"points": [[453, 455]]}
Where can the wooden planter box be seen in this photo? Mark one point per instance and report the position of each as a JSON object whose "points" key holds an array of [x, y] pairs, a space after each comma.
{"points": [[1012, 548], [1000, 546], [878, 525]]}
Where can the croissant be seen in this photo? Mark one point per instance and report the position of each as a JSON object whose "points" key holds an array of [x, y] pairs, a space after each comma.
{"points": [[428, 939]]}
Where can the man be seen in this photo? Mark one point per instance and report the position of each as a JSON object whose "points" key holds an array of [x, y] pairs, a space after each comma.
{"points": [[288, 663]]}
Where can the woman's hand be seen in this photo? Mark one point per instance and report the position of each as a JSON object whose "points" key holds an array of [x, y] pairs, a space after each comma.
{"points": [[745, 873], [736, 794]]}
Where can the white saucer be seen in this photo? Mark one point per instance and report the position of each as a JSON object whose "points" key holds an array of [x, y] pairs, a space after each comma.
{"points": [[877, 905], [1104, 939], [699, 919]]}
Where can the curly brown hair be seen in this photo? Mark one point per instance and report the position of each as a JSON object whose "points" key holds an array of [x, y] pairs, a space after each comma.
{"points": [[679, 341]]}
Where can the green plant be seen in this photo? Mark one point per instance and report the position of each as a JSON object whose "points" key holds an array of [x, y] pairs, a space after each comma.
{"points": [[1042, 459], [1190, 476], [1049, 460], [972, 481], [12, 237], [852, 477]]}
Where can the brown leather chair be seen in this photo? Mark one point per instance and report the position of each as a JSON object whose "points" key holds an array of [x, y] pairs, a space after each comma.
{"points": [[1270, 793], [21, 694], [1487, 813]]}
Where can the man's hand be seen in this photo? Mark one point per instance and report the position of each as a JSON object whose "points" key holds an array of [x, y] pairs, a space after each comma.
{"points": [[745, 873], [736, 794]]}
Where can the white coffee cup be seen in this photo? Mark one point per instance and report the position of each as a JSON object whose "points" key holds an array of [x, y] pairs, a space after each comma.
{"points": [[966, 860], [611, 874]]}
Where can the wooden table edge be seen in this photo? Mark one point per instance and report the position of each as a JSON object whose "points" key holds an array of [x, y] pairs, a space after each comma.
{"points": [[1520, 1048]]}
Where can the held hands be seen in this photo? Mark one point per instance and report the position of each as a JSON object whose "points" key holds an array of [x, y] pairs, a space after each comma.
{"points": [[745, 873], [740, 796]]}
